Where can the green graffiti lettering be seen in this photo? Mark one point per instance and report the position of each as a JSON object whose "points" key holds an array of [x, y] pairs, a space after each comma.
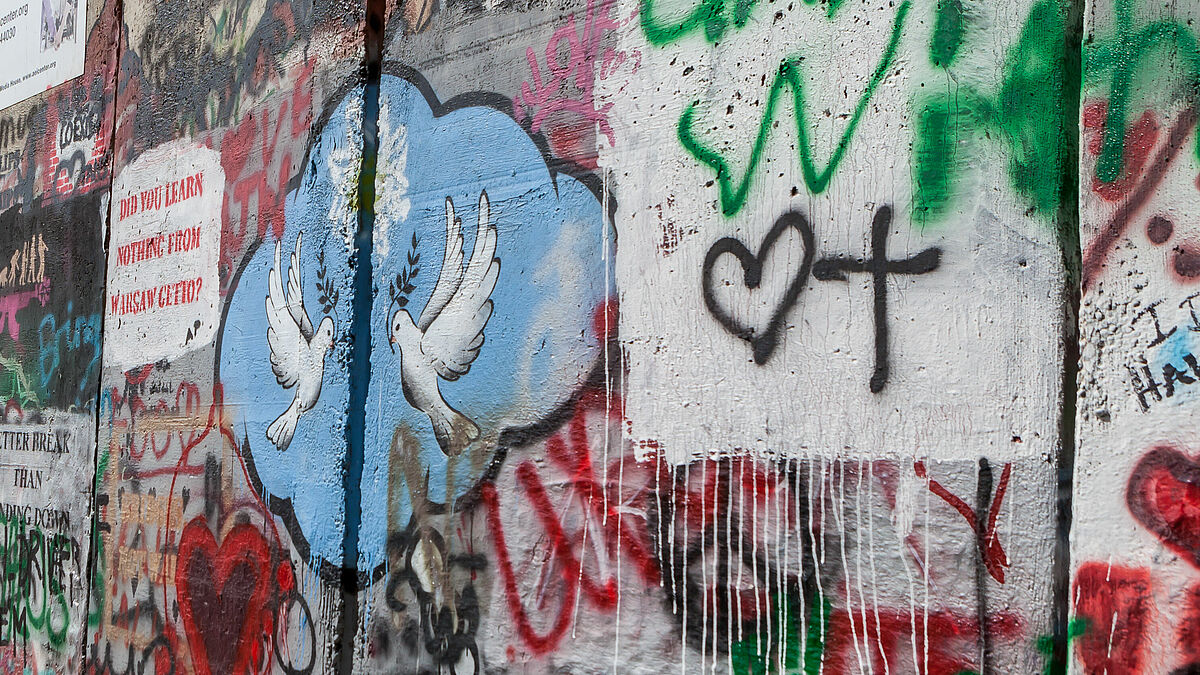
{"points": [[33, 597], [733, 191], [1123, 55]]}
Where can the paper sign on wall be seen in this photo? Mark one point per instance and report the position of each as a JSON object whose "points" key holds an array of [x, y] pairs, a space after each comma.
{"points": [[42, 44], [165, 244]]}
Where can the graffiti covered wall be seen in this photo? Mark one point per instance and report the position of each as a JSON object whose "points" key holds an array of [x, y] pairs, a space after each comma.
{"points": [[55, 172], [1134, 594], [445, 336], [739, 369], [223, 392]]}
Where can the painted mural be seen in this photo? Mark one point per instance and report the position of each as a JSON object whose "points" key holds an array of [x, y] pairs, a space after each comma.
{"points": [[472, 336], [237, 149]]}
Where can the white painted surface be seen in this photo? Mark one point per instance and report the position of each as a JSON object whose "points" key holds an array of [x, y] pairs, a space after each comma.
{"points": [[165, 239], [968, 341]]}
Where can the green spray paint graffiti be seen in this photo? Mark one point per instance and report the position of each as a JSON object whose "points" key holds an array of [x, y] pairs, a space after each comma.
{"points": [[97, 595], [1030, 115], [715, 16], [947, 33], [710, 14], [33, 593], [750, 655], [15, 385], [733, 190], [1045, 646], [1121, 57]]}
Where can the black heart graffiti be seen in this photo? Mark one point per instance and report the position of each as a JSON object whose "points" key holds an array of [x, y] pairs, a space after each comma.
{"points": [[763, 340]]}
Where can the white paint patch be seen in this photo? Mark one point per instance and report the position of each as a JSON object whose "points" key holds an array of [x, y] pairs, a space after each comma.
{"points": [[162, 297], [966, 341], [391, 195], [344, 163]]}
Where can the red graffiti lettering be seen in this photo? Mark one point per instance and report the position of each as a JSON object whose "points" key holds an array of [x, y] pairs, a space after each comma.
{"points": [[255, 190], [610, 526]]}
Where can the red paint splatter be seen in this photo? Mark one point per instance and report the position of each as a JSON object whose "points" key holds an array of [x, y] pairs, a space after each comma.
{"points": [[604, 320], [1115, 601], [1185, 262], [887, 637]]}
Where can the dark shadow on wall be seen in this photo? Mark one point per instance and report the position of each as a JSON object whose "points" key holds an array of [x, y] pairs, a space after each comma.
{"points": [[360, 355], [1068, 224]]}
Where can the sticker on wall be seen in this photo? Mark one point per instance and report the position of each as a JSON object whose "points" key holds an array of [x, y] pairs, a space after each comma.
{"points": [[165, 241], [42, 43]]}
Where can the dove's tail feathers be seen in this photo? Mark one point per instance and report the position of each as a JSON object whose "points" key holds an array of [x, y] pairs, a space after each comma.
{"points": [[284, 427], [454, 431]]}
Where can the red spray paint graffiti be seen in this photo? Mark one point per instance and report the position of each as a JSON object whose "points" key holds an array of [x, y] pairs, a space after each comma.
{"points": [[1164, 496], [611, 527], [993, 554], [900, 641], [259, 160], [1115, 602], [1137, 184], [1140, 139], [222, 594]]}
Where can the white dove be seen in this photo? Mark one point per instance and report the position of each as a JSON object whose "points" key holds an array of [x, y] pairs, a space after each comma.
{"points": [[447, 338], [297, 353]]}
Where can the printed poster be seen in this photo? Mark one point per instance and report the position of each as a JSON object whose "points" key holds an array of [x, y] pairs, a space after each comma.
{"points": [[41, 46]]}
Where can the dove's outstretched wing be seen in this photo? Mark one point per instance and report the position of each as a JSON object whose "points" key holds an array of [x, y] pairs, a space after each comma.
{"points": [[451, 275], [284, 336], [295, 296], [455, 334]]}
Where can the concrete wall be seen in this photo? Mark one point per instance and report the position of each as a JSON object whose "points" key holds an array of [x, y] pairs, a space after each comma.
{"points": [[1134, 562], [446, 336]]}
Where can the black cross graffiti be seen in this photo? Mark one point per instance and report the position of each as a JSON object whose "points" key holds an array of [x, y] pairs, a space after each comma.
{"points": [[879, 266], [765, 339]]}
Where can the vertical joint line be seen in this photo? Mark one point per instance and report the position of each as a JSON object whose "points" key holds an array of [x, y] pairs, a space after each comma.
{"points": [[360, 329], [1069, 241], [89, 573]]}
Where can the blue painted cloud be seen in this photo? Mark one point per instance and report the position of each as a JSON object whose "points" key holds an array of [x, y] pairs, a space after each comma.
{"points": [[309, 471], [539, 345]]}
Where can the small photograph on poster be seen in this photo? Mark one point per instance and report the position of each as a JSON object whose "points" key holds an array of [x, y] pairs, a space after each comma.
{"points": [[42, 44], [58, 23]]}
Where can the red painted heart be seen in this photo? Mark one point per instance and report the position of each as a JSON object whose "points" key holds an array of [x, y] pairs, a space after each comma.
{"points": [[1164, 496], [221, 595]]}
